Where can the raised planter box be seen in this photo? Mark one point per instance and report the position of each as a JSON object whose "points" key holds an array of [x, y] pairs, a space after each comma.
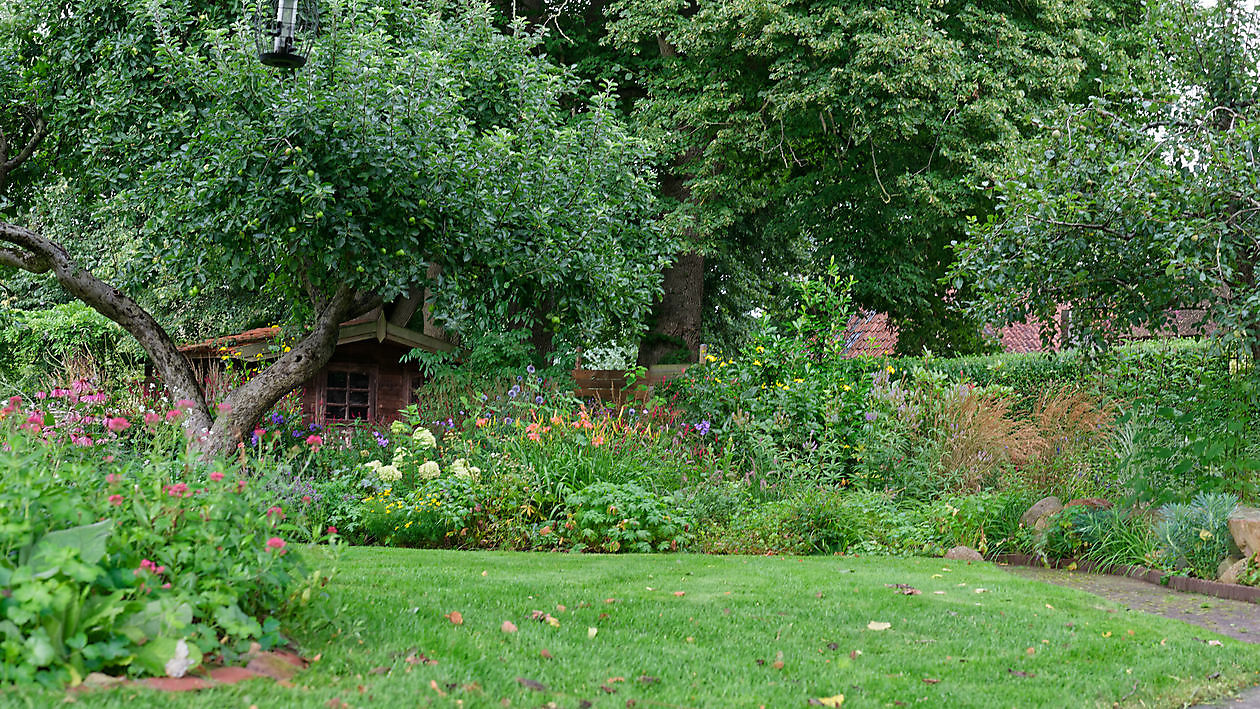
{"points": [[1230, 591]]}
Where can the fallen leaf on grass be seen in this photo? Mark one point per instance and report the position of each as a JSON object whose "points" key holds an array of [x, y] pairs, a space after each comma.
{"points": [[1217, 643], [878, 625], [379, 670], [827, 701], [455, 617], [607, 689], [904, 589], [592, 632], [855, 654], [336, 703], [434, 685], [508, 627], [931, 680], [531, 684], [614, 680], [416, 659], [1020, 673], [680, 593], [544, 652], [648, 679], [778, 661]]}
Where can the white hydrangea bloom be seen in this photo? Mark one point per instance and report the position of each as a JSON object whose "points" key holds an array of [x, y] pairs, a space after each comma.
{"points": [[424, 438], [373, 465], [461, 469], [429, 470], [389, 473]]}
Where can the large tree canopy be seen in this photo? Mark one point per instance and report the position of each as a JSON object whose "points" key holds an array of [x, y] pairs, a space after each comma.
{"points": [[861, 130], [1142, 200], [416, 141]]}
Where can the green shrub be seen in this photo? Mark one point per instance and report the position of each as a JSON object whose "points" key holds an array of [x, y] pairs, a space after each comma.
{"points": [[113, 561], [611, 517], [1196, 536]]}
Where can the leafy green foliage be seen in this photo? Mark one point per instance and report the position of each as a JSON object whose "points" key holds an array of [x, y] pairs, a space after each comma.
{"points": [[120, 562], [610, 517], [1196, 535], [854, 129], [66, 340], [1138, 201]]}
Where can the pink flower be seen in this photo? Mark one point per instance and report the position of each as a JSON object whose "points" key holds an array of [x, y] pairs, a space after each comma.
{"points": [[240, 485], [260, 432], [166, 586], [173, 414], [216, 476], [332, 530], [177, 490], [115, 500], [306, 499], [111, 478], [152, 419], [109, 459], [117, 424], [186, 404], [41, 395], [314, 441], [224, 408], [275, 543], [275, 511]]}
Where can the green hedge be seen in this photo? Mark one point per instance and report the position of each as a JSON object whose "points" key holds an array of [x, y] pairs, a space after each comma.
{"points": [[37, 343]]}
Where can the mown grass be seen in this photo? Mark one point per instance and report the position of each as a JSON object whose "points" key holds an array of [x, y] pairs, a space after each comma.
{"points": [[1017, 643]]}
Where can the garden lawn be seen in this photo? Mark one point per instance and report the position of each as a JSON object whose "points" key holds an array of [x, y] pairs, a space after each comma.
{"points": [[707, 631]]}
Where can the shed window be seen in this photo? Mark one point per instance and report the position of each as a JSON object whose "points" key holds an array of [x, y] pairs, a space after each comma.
{"points": [[348, 395]]}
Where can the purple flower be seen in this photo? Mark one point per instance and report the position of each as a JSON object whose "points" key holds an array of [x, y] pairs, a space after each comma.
{"points": [[703, 427], [871, 415], [538, 399], [529, 369], [277, 419], [381, 440]]}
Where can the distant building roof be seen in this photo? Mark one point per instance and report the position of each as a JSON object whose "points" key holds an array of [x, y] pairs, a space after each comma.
{"points": [[872, 334]]}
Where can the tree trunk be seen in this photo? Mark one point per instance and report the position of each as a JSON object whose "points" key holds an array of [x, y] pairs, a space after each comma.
{"points": [[39, 255], [677, 317], [240, 411]]}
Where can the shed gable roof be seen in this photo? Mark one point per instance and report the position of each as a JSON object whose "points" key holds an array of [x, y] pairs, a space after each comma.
{"points": [[259, 343]]}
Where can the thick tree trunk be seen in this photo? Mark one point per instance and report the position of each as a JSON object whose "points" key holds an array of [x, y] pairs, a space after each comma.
{"points": [[677, 317], [241, 410]]}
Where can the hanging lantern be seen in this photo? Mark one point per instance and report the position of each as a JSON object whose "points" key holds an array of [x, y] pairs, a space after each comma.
{"points": [[284, 31]]}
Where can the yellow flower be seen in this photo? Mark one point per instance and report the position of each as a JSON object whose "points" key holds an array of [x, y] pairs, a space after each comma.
{"points": [[1204, 535], [710, 358], [761, 349], [757, 362]]}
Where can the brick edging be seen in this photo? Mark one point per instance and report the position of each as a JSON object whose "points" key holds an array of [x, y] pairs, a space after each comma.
{"points": [[1217, 589]]}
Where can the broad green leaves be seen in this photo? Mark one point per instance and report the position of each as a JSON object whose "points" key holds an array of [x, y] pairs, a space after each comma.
{"points": [[1141, 200]]}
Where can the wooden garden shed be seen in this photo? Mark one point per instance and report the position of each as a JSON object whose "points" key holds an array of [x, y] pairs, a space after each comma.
{"points": [[366, 379]]}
